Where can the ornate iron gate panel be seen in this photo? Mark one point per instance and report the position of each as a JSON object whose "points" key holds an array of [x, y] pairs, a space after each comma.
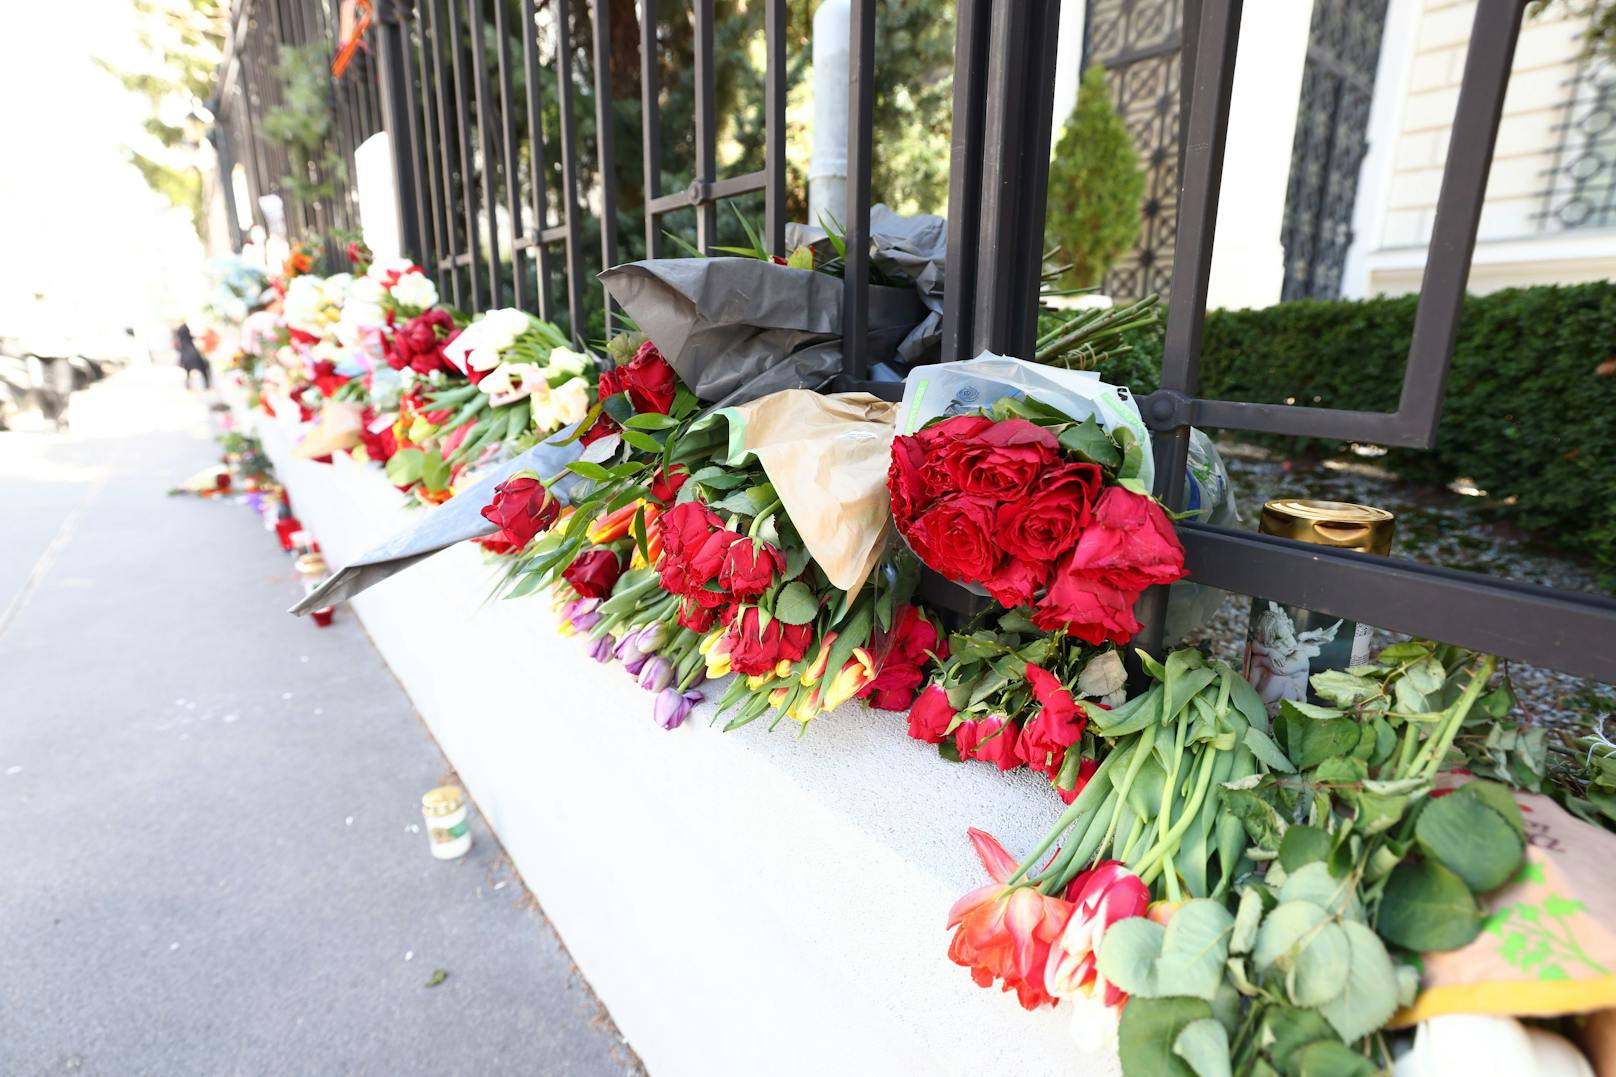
{"points": [[1332, 124], [1139, 43]]}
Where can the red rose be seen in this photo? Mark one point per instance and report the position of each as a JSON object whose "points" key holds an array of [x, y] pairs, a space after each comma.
{"points": [[693, 545], [755, 652], [379, 445], [417, 344], [1085, 771], [326, 378], [749, 568], [647, 379], [1047, 522], [1088, 608], [521, 508], [988, 738], [1130, 543], [999, 462], [1060, 715], [495, 544], [935, 436], [667, 481], [699, 618], [912, 642], [906, 482], [1057, 725], [594, 574], [930, 716], [956, 537], [686, 526], [1017, 581]]}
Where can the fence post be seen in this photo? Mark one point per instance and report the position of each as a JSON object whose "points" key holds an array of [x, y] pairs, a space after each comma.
{"points": [[395, 90]]}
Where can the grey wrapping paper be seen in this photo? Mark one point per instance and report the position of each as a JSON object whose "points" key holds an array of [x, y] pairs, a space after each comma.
{"points": [[456, 520], [736, 329], [912, 249]]}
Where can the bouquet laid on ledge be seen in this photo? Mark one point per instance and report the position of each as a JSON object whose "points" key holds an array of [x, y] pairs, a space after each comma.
{"points": [[680, 557], [1252, 897]]}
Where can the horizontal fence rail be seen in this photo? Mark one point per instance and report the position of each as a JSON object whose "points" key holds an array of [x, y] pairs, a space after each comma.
{"points": [[502, 164]]}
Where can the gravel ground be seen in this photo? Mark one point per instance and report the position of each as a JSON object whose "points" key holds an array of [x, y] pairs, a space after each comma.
{"points": [[1434, 525]]}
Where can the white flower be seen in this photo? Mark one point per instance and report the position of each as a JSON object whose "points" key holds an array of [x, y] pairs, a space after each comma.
{"points": [[569, 402], [567, 361], [259, 328], [509, 382], [479, 346], [1094, 1025], [382, 268], [415, 290]]}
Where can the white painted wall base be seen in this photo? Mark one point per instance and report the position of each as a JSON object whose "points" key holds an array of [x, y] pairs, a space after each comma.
{"points": [[744, 903]]}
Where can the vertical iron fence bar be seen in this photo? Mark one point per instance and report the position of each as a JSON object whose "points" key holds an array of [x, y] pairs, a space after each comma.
{"points": [[507, 140], [392, 47], [535, 153], [476, 23], [1206, 127], [219, 135], [604, 146], [774, 119], [468, 180], [451, 250], [651, 125], [420, 152], [1458, 210], [437, 199], [860, 121], [971, 31], [706, 128], [569, 172], [257, 169]]}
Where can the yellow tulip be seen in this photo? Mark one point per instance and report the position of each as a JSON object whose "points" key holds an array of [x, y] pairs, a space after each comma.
{"points": [[850, 680]]}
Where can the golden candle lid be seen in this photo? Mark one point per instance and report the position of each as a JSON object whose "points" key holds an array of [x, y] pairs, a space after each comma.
{"points": [[311, 564], [1330, 523], [444, 800]]}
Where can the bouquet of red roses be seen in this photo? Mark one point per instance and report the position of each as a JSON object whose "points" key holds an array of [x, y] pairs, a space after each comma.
{"points": [[1038, 510]]}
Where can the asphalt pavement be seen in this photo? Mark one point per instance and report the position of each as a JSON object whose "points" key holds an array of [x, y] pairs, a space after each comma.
{"points": [[214, 860]]}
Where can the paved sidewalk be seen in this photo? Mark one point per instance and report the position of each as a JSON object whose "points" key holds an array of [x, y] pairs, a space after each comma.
{"points": [[213, 861]]}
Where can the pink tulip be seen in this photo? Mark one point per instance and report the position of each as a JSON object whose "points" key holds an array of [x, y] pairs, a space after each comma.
{"points": [[1104, 894]]}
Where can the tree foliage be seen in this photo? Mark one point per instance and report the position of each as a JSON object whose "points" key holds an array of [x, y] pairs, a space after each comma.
{"points": [[1095, 185], [185, 40]]}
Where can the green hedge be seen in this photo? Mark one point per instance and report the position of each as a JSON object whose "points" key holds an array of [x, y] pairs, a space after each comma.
{"points": [[1527, 415]]}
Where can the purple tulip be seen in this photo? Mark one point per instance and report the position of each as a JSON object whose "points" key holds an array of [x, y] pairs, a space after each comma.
{"points": [[672, 708], [585, 620], [601, 649], [657, 674]]}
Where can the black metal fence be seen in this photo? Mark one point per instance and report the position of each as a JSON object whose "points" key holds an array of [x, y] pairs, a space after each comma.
{"points": [[490, 193]]}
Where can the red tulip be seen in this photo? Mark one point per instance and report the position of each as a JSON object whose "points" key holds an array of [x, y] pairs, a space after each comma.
{"points": [[1005, 933]]}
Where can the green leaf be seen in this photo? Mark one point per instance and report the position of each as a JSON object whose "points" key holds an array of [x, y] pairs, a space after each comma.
{"points": [[593, 472], [650, 420], [1308, 710], [404, 467], [1149, 1030], [1409, 698], [1343, 688], [1263, 824], [1399, 653], [1320, 968], [1128, 955], [1290, 1030], [1427, 908], [1311, 741], [1426, 676], [796, 604], [1330, 1058], [643, 442], [1369, 996], [1283, 931], [1470, 838], [1090, 441], [435, 472], [1303, 845], [1246, 921], [1194, 948], [1204, 1044], [437, 977], [1499, 798], [1263, 747]]}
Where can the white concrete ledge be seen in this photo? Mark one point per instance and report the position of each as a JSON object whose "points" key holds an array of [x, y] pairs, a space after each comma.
{"points": [[744, 903]]}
